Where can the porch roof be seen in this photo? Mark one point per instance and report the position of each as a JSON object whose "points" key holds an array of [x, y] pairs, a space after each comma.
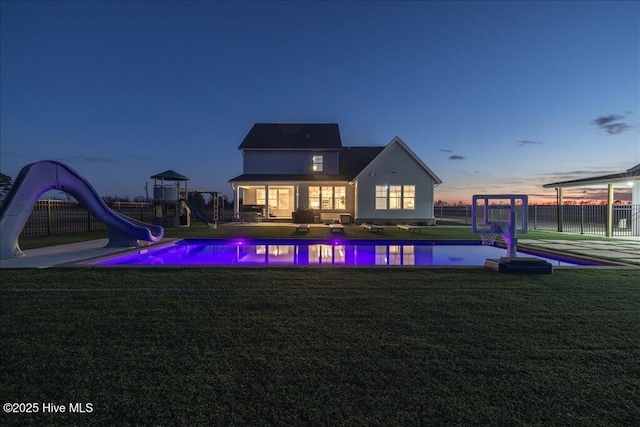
{"points": [[292, 178], [632, 174]]}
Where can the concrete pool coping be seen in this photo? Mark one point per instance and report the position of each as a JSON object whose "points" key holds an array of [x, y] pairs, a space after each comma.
{"points": [[626, 253]]}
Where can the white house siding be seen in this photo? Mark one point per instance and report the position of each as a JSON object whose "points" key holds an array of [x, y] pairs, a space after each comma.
{"points": [[394, 166], [287, 162]]}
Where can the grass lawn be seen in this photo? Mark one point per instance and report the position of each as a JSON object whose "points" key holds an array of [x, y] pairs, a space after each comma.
{"points": [[298, 346], [291, 346], [199, 230]]}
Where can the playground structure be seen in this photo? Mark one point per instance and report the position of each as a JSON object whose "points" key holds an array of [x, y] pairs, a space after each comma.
{"points": [[37, 178], [171, 204], [169, 207], [505, 215]]}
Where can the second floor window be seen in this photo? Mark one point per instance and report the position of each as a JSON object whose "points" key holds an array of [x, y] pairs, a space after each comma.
{"points": [[316, 163]]}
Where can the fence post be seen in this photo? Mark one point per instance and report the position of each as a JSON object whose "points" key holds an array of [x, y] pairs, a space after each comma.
{"points": [[48, 217], [535, 217], [466, 215]]}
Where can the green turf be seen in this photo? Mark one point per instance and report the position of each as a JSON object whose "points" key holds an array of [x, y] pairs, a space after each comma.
{"points": [[309, 346]]}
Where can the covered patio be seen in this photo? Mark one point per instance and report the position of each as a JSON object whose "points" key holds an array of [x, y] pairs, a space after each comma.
{"points": [[262, 202], [629, 179]]}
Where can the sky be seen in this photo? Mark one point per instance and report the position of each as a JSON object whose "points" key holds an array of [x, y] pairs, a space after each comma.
{"points": [[494, 97]]}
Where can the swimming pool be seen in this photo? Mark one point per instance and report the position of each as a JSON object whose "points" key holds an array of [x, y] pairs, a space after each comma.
{"points": [[323, 253]]}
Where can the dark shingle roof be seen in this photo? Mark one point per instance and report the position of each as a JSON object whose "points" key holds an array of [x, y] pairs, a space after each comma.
{"points": [[292, 136], [354, 159]]}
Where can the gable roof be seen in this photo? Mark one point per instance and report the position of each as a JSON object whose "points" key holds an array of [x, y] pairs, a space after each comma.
{"points": [[401, 144], [281, 136]]}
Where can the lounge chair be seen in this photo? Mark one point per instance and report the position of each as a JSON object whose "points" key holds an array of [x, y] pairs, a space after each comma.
{"points": [[302, 228], [336, 228], [373, 228], [410, 228]]}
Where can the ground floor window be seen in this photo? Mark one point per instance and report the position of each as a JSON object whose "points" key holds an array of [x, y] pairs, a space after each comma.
{"points": [[381, 196], [278, 198], [321, 197], [261, 197], [409, 197], [395, 197]]}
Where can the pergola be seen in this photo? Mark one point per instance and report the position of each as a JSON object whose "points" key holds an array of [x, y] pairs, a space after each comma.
{"points": [[627, 179]]}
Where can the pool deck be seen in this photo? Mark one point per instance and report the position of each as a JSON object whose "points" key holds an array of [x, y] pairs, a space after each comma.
{"points": [[62, 254], [623, 249]]}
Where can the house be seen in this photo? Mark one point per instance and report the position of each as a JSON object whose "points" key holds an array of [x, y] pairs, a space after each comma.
{"points": [[287, 167]]}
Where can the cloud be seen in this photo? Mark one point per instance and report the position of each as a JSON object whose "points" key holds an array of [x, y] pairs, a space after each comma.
{"points": [[606, 124], [615, 128], [445, 150], [604, 120], [528, 142], [456, 157]]}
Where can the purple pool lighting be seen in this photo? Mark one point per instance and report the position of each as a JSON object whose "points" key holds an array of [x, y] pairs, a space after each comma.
{"points": [[331, 253]]}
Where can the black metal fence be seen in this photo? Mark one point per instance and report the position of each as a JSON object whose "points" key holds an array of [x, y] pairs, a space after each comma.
{"points": [[584, 219], [50, 217]]}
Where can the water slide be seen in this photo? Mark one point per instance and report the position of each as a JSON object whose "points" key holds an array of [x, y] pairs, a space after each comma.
{"points": [[200, 213], [40, 177]]}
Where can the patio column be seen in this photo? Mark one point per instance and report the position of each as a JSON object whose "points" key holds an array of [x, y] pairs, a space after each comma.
{"points": [[635, 208], [266, 202], [236, 202], [559, 202], [609, 231]]}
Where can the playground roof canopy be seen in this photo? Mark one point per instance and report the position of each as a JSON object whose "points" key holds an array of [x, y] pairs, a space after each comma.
{"points": [[170, 175], [632, 174]]}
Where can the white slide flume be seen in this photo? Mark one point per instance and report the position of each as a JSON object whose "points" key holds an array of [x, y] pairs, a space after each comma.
{"points": [[40, 177]]}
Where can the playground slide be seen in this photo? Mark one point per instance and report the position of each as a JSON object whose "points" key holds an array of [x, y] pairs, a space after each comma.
{"points": [[200, 213], [40, 177]]}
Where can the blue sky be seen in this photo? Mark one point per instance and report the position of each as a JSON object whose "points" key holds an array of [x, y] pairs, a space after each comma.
{"points": [[492, 96]]}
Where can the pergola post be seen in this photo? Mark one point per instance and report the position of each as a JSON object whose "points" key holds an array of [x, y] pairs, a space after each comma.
{"points": [[609, 230], [559, 202], [266, 202]]}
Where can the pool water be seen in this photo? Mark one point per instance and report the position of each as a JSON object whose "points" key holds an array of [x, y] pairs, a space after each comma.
{"points": [[331, 253]]}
